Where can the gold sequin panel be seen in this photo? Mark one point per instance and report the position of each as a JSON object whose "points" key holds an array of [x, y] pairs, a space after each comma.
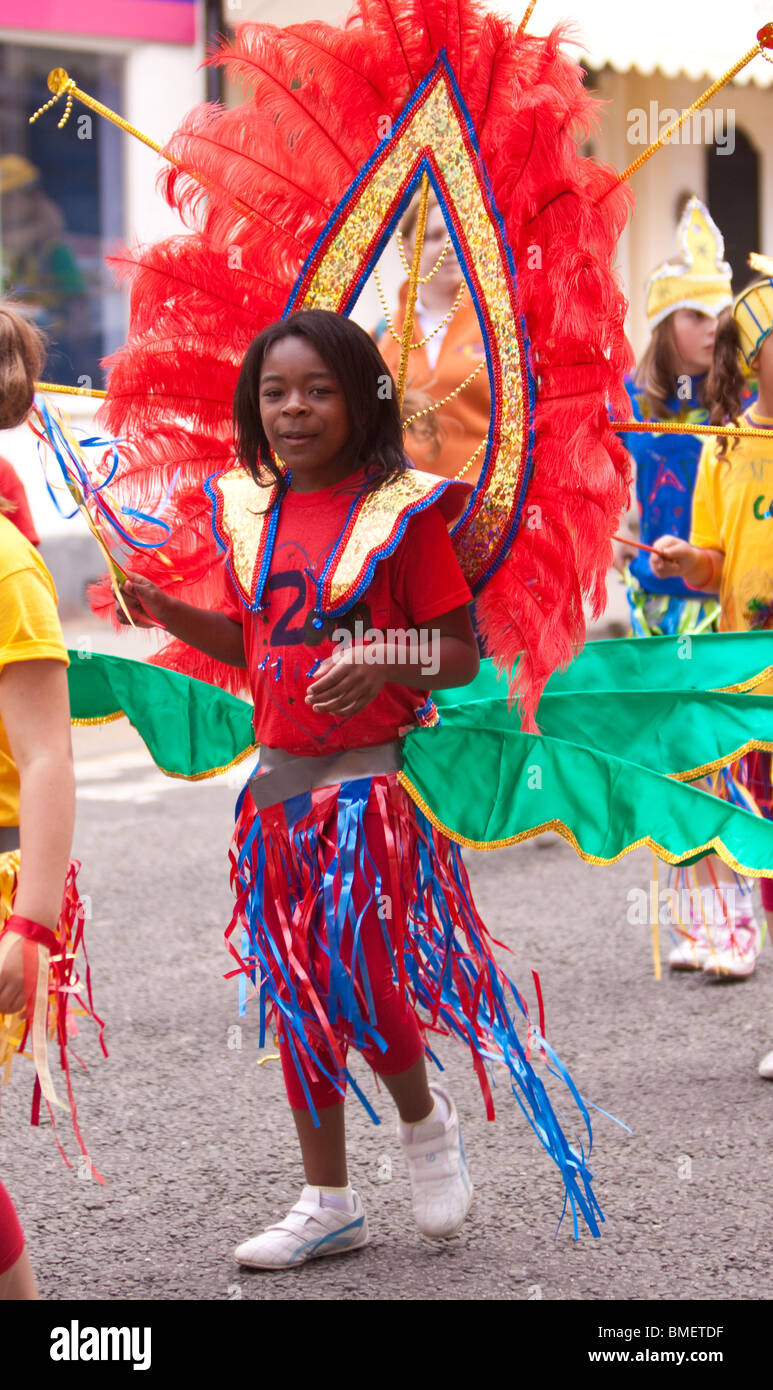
{"points": [[244, 522], [375, 523], [435, 127]]}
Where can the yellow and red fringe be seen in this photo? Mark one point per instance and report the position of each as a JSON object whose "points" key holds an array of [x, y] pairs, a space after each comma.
{"points": [[61, 994]]}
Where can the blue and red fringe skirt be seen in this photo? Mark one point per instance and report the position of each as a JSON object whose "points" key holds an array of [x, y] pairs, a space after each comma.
{"points": [[358, 926]]}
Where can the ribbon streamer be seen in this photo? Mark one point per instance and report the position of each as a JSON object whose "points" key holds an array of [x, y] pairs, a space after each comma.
{"points": [[50, 429]]}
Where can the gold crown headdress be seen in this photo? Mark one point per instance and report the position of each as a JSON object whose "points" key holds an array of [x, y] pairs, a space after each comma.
{"points": [[753, 309], [703, 281]]}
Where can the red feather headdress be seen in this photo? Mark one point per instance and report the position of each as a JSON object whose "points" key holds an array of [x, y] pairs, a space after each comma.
{"points": [[290, 198]]}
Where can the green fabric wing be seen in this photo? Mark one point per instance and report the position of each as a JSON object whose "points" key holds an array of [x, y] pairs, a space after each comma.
{"points": [[668, 731], [487, 788], [711, 661], [191, 729], [482, 779]]}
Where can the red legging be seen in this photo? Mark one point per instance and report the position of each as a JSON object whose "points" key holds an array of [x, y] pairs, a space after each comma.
{"points": [[11, 1233], [758, 776], [394, 1018]]}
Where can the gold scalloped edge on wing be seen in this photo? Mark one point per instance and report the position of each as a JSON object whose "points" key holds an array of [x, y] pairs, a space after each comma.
{"points": [[181, 776], [716, 845]]}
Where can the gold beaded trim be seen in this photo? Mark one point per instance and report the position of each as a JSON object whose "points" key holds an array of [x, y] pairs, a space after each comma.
{"points": [[417, 415], [179, 776], [406, 266], [390, 325], [429, 409], [471, 459], [67, 87]]}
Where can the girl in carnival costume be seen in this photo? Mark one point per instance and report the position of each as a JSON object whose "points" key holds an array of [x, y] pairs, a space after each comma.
{"points": [[684, 300], [356, 907], [41, 916], [290, 200], [730, 538]]}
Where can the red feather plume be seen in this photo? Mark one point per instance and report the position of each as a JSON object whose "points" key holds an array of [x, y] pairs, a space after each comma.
{"points": [[258, 183]]}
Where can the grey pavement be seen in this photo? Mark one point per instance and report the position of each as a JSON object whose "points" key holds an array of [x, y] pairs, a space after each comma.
{"points": [[196, 1143]]}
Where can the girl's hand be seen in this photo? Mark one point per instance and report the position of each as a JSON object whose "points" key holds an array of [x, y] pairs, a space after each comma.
{"points": [[673, 558], [12, 999], [344, 684], [147, 604]]}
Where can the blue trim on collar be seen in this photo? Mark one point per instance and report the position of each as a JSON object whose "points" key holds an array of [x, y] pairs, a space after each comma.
{"points": [[254, 606], [380, 553]]}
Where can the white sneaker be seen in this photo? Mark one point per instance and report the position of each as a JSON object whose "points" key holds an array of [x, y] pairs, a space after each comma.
{"points": [[697, 946], [440, 1184], [765, 1068], [307, 1232], [739, 956]]}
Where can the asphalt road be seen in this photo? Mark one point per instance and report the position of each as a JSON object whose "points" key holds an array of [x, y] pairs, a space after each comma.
{"points": [[196, 1143]]}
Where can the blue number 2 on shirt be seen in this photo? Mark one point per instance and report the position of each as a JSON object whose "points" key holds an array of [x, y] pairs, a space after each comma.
{"points": [[282, 635]]}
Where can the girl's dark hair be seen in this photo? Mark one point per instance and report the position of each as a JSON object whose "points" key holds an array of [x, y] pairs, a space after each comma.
{"points": [[375, 431], [726, 381], [22, 357]]}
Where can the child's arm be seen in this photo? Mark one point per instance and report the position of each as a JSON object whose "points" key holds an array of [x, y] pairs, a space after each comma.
{"points": [[210, 632], [35, 711], [440, 654], [700, 569]]}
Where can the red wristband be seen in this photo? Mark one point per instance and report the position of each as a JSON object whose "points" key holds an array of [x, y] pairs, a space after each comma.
{"points": [[33, 931], [701, 588]]}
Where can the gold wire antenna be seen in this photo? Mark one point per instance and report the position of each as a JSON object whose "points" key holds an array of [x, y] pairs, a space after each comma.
{"points": [[671, 427], [528, 12], [51, 387], [413, 288], [62, 85], [764, 41]]}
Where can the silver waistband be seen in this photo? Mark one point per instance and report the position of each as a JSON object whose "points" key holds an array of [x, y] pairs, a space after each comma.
{"points": [[9, 838], [282, 775]]}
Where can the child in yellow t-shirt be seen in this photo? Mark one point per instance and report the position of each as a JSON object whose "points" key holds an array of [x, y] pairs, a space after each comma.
{"points": [[41, 917], [730, 551]]}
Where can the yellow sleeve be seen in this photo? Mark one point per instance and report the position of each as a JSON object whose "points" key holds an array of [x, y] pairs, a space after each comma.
{"points": [[704, 530], [29, 622]]}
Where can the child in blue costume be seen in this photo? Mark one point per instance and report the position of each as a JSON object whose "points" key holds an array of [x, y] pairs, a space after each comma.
{"points": [[684, 300], [730, 543]]}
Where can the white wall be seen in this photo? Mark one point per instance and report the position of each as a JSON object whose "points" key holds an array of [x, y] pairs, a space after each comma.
{"points": [[674, 169], [284, 11]]}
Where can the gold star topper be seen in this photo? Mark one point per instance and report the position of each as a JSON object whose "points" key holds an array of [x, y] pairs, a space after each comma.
{"points": [[702, 280]]}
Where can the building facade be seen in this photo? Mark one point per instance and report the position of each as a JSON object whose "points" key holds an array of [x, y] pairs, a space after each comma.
{"points": [[69, 194]]}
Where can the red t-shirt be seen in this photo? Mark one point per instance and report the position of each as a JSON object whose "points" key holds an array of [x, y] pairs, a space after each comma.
{"points": [[12, 489], [421, 580]]}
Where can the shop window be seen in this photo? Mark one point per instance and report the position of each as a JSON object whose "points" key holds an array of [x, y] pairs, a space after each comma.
{"points": [[61, 208]]}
